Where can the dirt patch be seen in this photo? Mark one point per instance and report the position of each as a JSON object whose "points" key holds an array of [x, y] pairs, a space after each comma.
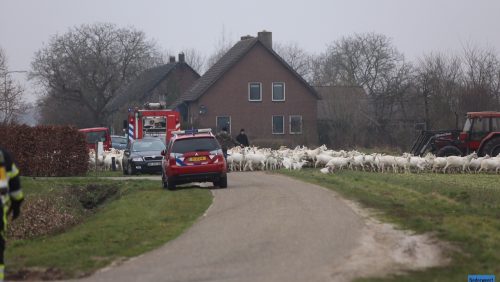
{"points": [[385, 250], [35, 274], [41, 216], [55, 212], [92, 196]]}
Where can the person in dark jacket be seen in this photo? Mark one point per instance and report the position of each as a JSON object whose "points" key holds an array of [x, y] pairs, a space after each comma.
{"points": [[11, 197], [242, 138], [225, 140]]}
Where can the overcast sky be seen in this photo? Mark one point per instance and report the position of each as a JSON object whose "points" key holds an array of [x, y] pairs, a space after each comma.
{"points": [[416, 27]]}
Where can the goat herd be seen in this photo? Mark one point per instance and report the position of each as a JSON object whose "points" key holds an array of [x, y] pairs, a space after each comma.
{"points": [[329, 161], [254, 158], [106, 160]]}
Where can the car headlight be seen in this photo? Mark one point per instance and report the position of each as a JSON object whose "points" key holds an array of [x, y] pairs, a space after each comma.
{"points": [[137, 159]]}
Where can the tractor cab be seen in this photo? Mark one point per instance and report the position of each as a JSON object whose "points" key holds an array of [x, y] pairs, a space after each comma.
{"points": [[479, 127]]}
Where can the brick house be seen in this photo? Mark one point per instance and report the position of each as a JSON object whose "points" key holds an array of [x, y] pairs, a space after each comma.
{"points": [[163, 83], [252, 87]]}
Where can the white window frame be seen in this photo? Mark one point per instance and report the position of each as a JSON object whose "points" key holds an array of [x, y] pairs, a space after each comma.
{"points": [[217, 123], [290, 124], [260, 87], [272, 125], [272, 90]]}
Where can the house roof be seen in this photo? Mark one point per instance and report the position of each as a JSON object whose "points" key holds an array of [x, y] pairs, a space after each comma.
{"points": [[342, 95], [238, 51], [146, 82]]}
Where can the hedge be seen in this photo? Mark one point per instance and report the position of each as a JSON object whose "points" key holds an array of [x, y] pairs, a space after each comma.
{"points": [[46, 150]]}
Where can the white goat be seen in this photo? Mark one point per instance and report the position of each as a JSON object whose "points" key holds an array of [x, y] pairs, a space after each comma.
{"points": [[338, 163], [490, 164], [458, 162]]}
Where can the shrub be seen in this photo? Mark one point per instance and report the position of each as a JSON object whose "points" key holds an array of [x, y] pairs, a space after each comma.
{"points": [[46, 150]]}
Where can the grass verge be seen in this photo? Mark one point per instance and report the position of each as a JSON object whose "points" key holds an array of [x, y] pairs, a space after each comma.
{"points": [[105, 173], [143, 216], [461, 209]]}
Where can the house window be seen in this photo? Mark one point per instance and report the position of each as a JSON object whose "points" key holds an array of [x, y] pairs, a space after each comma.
{"points": [[278, 91], [223, 121], [295, 124], [255, 91], [278, 125]]}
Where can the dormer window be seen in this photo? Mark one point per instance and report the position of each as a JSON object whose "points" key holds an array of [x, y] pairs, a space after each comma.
{"points": [[254, 91]]}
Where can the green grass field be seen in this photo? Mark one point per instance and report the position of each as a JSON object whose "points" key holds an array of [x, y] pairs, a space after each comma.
{"points": [[461, 209], [139, 217]]}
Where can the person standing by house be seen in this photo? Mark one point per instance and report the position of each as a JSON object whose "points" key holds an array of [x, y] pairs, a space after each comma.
{"points": [[242, 138], [11, 198], [226, 141]]}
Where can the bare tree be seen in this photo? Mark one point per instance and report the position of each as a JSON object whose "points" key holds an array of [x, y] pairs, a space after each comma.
{"points": [[89, 64], [371, 61], [224, 43], [324, 71], [364, 59], [481, 79], [296, 57], [361, 60], [11, 95], [480, 66], [195, 59]]}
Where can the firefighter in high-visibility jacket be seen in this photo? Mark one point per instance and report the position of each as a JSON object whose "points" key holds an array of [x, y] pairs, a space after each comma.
{"points": [[11, 198]]}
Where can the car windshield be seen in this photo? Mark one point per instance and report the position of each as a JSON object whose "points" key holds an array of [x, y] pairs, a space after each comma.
{"points": [[141, 146], [182, 146], [119, 140], [96, 136]]}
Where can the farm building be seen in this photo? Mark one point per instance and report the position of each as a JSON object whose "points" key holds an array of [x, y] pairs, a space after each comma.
{"points": [[252, 87], [343, 116]]}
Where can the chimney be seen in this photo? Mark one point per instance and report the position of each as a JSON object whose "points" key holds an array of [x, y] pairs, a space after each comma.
{"points": [[245, 37], [266, 38], [181, 58], [171, 59]]}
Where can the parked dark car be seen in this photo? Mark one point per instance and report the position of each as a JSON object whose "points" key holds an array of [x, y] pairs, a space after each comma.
{"points": [[143, 156], [118, 142]]}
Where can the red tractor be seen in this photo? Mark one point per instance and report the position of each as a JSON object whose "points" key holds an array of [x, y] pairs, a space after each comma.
{"points": [[481, 134]]}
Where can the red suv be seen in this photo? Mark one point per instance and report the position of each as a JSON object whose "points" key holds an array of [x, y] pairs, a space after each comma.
{"points": [[193, 156]]}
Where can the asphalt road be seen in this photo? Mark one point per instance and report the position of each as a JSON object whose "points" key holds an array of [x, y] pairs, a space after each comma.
{"points": [[264, 227]]}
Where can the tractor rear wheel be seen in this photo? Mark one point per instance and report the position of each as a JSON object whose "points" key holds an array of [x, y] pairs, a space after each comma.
{"points": [[449, 151], [492, 147]]}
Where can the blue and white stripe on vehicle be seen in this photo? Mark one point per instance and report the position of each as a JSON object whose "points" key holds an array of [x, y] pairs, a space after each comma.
{"points": [[131, 135], [180, 161]]}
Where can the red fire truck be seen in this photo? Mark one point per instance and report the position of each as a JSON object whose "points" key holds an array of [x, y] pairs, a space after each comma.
{"points": [[153, 120]]}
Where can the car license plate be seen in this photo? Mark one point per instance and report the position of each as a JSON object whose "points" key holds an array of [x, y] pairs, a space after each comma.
{"points": [[154, 164], [197, 159]]}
